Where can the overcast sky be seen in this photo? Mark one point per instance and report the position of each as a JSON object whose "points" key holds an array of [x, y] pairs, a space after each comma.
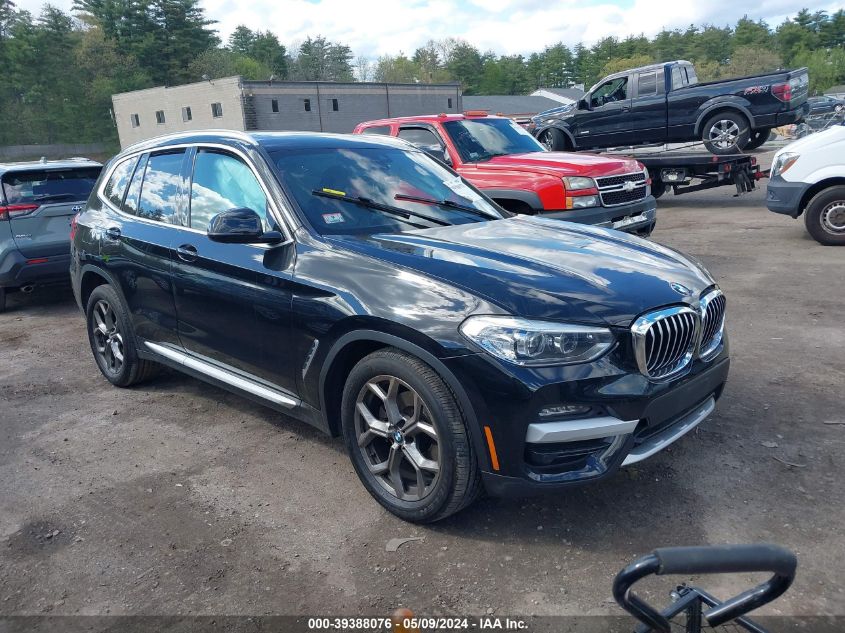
{"points": [[376, 27]]}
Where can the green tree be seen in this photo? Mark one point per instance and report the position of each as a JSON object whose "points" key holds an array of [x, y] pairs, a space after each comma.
{"points": [[215, 63], [263, 47], [318, 59], [826, 68], [623, 63], [464, 64], [396, 69]]}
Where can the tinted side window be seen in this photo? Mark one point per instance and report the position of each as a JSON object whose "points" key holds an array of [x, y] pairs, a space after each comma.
{"points": [[116, 186], [222, 182], [613, 90], [692, 78], [130, 204], [420, 136], [377, 129], [160, 198], [647, 84], [677, 78]]}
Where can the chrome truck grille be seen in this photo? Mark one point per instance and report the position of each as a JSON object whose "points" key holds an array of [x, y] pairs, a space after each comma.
{"points": [[665, 341], [712, 323], [616, 190]]}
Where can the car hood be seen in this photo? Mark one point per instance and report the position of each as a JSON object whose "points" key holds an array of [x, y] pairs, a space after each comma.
{"points": [[818, 141], [546, 269], [565, 164]]}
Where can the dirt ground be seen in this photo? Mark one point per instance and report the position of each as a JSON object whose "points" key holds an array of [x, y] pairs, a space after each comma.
{"points": [[179, 498]]}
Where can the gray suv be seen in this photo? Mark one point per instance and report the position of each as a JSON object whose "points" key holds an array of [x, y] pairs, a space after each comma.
{"points": [[37, 203]]}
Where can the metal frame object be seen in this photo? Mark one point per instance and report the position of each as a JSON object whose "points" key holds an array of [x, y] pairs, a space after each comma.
{"points": [[714, 559]]}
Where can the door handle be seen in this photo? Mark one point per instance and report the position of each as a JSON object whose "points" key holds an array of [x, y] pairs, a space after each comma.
{"points": [[113, 232], [187, 253]]}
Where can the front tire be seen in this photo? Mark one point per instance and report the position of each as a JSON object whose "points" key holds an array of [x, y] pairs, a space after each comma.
{"points": [[726, 133], [407, 438], [113, 340], [554, 140], [824, 216]]}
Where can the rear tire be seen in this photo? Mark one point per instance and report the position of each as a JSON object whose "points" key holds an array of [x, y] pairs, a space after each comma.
{"points": [[726, 133], [112, 340], [554, 140], [758, 138], [407, 438], [824, 216]]}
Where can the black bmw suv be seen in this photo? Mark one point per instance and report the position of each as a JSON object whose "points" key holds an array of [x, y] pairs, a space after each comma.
{"points": [[357, 284]]}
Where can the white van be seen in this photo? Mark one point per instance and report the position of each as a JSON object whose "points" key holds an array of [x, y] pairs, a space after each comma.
{"points": [[808, 176]]}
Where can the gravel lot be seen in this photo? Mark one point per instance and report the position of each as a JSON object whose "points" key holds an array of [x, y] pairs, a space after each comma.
{"points": [[177, 497]]}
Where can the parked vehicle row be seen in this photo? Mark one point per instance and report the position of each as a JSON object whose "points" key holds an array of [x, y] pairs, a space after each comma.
{"points": [[664, 103], [358, 284]]}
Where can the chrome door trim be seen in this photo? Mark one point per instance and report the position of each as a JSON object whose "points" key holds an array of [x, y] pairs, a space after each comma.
{"points": [[223, 375]]}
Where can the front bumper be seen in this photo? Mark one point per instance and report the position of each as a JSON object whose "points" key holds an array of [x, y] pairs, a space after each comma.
{"points": [[630, 419], [16, 270], [637, 217], [785, 197]]}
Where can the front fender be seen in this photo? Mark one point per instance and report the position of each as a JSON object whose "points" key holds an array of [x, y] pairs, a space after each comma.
{"points": [[537, 132]]}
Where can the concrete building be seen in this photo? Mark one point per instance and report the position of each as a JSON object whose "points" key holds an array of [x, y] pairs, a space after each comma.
{"points": [[237, 104]]}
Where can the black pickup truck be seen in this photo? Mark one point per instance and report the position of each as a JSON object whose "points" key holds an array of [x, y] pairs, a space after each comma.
{"points": [[665, 103]]}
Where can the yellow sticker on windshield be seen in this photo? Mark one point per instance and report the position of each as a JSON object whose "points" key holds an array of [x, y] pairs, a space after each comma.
{"points": [[334, 191]]}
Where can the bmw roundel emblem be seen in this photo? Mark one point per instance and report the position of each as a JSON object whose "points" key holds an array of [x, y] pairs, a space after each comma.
{"points": [[681, 289]]}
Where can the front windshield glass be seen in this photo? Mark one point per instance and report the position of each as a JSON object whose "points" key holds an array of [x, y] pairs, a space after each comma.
{"points": [[481, 139], [377, 190]]}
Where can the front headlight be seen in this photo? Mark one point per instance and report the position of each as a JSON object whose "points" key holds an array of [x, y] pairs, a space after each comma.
{"points": [[783, 161], [582, 202], [527, 342], [578, 182]]}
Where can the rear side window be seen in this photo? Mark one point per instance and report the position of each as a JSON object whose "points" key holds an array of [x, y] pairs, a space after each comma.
{"points": [[647, 84], [48, 185], [377, 129], [160, 199], [116, 186], [677, 78], [130, 203], [420, 136], [692, 78]]}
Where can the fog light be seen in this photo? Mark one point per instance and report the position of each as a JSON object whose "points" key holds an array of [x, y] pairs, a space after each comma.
{"points": [[561, 410]]}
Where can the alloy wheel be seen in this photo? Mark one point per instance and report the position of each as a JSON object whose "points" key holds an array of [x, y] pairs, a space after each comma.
{"points": [[833, 217], [546, 140], [397, 438], [108, 341], [724, 133]]}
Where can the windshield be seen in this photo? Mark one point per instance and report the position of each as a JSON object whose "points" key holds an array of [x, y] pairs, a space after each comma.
{"points": [[55, 185], [480, 139], [377, 190]]}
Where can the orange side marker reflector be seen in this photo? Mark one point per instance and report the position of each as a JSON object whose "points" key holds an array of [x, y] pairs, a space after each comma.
{"points": [[494, 459]]}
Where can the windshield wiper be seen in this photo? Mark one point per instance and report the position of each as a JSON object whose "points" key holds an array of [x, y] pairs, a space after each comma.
{"points": [[403, 214], [486, 157], [54, 196], [446, 203]]}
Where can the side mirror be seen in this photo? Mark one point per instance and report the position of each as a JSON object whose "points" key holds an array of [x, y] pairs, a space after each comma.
{"points": [[438, 152], [240, 226], [584, 103]]}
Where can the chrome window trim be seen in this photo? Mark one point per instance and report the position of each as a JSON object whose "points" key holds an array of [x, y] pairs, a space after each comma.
{"points": [[639, 329], [282, 218], [712, 350]]}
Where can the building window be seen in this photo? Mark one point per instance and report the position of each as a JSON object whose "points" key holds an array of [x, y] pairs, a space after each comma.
{"points": [[334, 105], [136, 121], [274, 105], [159, 116], [308, 105], [186, 114], [450, 102], [216, 110]]}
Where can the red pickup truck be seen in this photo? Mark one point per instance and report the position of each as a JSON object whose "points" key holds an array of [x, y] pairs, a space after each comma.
{"points": [[509, 165]]}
